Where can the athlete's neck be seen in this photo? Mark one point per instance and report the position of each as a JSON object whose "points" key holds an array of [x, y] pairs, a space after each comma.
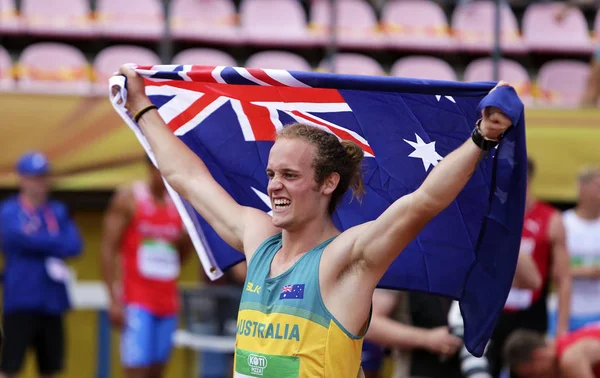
{"points": [[32, 200], [298, 241]]}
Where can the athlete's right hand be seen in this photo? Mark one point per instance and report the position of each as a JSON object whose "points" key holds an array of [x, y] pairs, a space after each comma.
{"points": [[440, 341], [116, 314], [136, 90]]}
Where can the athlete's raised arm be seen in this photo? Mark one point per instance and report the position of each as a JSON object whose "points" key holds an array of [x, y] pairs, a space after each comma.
{"points": [[382, 240], [241, 227]]}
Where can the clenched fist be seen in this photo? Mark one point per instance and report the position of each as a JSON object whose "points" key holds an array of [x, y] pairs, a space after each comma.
{"points": [[494, 122]]}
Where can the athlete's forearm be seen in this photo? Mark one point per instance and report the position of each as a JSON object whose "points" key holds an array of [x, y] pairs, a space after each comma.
{"points": [[177, 163], [108, 269], [590, 272], [449, 177]]}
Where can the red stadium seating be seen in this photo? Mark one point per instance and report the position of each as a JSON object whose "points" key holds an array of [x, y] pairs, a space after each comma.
{"points": [[357, 24], [482, 69], [473, 24], [53, 68], [416, 25], [57, 18], [204, 21], [204, 57], [274, 23], [280, 60], [423, 67], [354, 64], [562, 83], [543, 33]]}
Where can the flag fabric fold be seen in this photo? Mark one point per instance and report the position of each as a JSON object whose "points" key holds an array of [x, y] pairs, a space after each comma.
{"points": [[229, 116]]}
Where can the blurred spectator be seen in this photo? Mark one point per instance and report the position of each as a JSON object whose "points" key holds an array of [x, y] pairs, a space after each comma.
{"points": [[433, 348], [575, 354], [543, 239], [582, 225], [38, 235], [215, 364], [143, 227]]}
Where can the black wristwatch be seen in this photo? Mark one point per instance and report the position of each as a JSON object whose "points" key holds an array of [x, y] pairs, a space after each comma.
{"points": [[481, 141]]}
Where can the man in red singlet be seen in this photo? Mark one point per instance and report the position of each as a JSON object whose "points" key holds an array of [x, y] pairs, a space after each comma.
{"points": [[573, 355], [143, 226], [543, 238]]}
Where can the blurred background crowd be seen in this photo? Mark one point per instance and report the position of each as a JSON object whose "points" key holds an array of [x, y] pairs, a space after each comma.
{"points": [[55, 59]]}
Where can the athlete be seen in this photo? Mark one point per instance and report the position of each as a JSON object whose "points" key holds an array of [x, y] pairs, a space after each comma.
{"points": [[306, 305], [143, 226], [573, 355]]}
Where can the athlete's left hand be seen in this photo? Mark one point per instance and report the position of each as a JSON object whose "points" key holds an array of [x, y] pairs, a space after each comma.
{"points": [[494, 121]]}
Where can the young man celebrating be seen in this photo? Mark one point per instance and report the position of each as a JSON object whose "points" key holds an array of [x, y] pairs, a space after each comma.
{"points": [[143, 226], [307, 301], [574, 355]]}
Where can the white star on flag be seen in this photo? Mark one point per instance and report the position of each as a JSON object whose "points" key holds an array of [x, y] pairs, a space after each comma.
{"points": [[448, 97], [424, 151]]}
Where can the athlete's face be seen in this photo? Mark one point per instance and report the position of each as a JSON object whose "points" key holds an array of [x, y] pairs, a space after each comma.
{"points": [[295, 195], [35, 187], [590, 193]]}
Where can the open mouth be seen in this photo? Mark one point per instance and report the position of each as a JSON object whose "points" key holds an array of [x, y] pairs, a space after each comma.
{"points": [[281, 203]]}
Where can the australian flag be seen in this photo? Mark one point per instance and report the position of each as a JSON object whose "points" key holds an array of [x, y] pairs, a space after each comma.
{"points": [[295, 291], [228, 116]]}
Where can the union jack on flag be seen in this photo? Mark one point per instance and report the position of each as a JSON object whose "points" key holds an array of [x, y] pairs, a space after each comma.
{"points": [[228, 116]]}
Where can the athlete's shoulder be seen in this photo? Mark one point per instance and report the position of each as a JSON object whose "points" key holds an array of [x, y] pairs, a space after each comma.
{"points": [[546, 208]]}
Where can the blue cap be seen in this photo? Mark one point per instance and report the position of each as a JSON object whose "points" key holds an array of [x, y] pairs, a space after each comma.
{"points": [[33, 164]]}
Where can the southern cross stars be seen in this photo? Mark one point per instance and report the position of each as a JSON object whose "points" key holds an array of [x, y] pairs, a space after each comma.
{"points": [[424, 151]]}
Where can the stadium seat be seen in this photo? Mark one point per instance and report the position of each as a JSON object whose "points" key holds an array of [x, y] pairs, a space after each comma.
{"points": [[57, 18], [274, 23], [416, 25], [111, 58], [482, 69], [542, 33], [423, 67], [473, 24], [130, 19], [357, 24], [354, 64], [204, 20], [53, 68], [278, 60], [9, 18], [204, 57], [562, 83], [7, 82]]}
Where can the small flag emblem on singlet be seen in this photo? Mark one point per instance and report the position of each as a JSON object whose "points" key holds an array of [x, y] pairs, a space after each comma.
{"points": [[295, 291]]}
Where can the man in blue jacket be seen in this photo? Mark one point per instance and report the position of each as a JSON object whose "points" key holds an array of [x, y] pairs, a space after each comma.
{"points": [[37, 235]]}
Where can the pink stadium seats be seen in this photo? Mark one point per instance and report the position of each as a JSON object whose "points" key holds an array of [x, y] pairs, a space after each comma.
{"points": [[130, 19], [204, 57], [57, 18], [53, 68], [473, 25], [482, 69], [543, 33], [7, 81], [353, 64], [279, 60], [9, 19], [562, 83], [423, 67], [111, 58], [204, 20], [274, 23], [357, 24], [416, 25]]}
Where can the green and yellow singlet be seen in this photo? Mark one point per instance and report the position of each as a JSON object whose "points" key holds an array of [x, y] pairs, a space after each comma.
{"points": [[284, 329]]}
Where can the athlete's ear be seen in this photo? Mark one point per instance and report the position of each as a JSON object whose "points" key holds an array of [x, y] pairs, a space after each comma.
{"points": [[330, 183]]}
